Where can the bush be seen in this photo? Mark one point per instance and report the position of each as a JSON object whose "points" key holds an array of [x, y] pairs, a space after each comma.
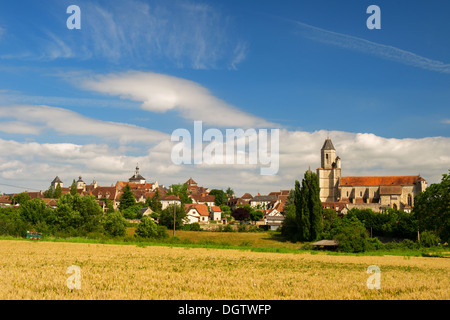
{"points": [[161, 232], [227, 228], [374, 244], [351, 235], [408, 244], [192, 227], [429, 239], [147, 228], [114, 224]]}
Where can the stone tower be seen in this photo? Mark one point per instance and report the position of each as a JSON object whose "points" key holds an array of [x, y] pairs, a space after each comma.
{"points": [[57, 181], [329, 173]]}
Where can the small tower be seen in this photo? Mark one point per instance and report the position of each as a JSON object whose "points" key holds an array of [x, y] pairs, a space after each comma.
{"points": [[327, 154], [137, 178], [329, 172], [81, 184], [57, 181]]}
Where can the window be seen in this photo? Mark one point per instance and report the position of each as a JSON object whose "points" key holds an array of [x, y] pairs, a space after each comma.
{"points": [[360, 193]]}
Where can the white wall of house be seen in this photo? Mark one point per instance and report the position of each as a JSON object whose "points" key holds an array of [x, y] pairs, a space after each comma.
{"points": [[166, 203]]}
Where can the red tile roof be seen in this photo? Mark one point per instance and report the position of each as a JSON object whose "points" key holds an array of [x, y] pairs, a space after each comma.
{"points": [[202, 209], [380, 181]]}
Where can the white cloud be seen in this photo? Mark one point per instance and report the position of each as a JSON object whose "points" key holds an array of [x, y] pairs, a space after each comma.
{"points": [[34, 165], [446, 121], [368, 47], [33, 119], [160, 93]]}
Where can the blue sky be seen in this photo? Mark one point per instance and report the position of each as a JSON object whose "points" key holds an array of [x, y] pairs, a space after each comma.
{"points": [[301, 66]]}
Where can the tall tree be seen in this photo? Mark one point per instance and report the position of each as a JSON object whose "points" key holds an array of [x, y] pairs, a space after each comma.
{"points": [[127, 199], [166, 217], [230, 192], [181, 191], [154, 202], [58, 192], [315, 206], [73, 188], [220, 197], [308, 210]]}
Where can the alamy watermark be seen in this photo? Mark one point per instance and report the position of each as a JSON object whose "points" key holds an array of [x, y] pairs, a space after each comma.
{"points": [[74, 281], [374, 281], [236, 146]]}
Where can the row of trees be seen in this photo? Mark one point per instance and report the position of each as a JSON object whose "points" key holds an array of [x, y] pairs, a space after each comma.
{"points": [[303, 210]]}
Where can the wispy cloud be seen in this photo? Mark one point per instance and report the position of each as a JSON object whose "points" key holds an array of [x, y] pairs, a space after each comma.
{"points": [[161, 93], [381, 50], [155, 32], [446, 121]]}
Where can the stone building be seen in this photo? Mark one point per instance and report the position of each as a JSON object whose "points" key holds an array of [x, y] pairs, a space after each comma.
{"points": [[369, 192]]}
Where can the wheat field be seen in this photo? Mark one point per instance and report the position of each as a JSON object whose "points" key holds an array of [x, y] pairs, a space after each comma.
{"points": [[37, 270]]}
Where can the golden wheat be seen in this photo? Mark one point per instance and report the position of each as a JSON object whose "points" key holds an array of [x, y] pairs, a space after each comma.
{"points": [[37, 270]]}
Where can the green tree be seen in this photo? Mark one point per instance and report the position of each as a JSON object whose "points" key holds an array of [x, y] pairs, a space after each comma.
{"points": [[48, 194], [167, 216], [303, 221], [351, 235], [127, 199], [220, 197], [432, 208], [290, 227], [181, 191], [78, 212], [256, 215], [36, 211], [131, 212], [147, 228], [154, 202], [114, 224], [58, 192], [21, 198], [226, 211], [73, 188], [12, 224], [230, 192]]}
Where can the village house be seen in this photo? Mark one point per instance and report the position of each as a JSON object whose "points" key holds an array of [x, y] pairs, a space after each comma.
{"points": [[169, 200], [196, 213], [263, 202], [203, 199], [234, 202], [194, 189], [216, 213]]}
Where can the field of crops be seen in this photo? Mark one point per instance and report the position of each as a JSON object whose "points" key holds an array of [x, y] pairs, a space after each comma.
{"points": [[37, 270]]}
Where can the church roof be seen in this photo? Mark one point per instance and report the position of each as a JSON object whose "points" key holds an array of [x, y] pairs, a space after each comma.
{"points": [[56, 180], [328, 145], [380, 181], [136, 177]]}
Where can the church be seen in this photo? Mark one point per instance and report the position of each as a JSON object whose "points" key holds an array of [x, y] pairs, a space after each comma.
{"points": [[377, 193]]}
